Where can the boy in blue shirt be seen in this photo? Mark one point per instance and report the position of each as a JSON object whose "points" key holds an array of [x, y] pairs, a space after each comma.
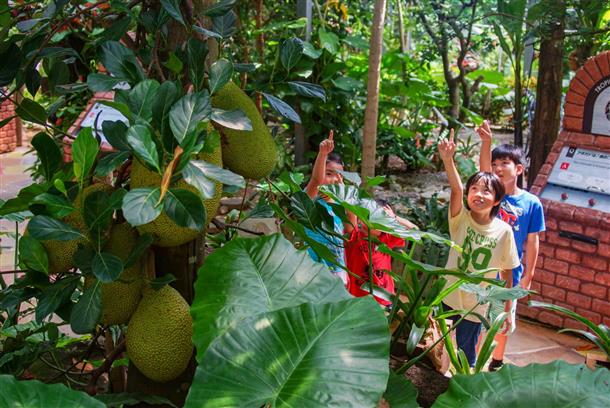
{"points": [[519, 209]]}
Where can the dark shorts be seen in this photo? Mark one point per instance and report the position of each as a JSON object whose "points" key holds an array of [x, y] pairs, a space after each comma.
{"points": [[466, 334]]}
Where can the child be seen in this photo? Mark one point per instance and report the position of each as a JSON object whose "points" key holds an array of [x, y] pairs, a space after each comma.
{"points": [[521, 210], [326, 170], [357, 257], [486, 241]]}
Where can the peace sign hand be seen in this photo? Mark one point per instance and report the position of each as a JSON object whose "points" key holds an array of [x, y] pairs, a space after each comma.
{"points": [[446, 147]]}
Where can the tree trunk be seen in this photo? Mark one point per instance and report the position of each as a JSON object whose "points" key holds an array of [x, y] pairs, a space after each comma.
{"points": [[372, 100], [260, 48], [304, 9], [548, 98]]}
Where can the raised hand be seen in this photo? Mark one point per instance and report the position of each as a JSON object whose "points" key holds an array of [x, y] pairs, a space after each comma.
{"points": [[484, 131], [446, 147], [327, 145]]}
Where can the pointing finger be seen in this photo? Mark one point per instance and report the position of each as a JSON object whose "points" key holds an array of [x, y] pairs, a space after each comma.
{"points": [[331, 134], [451, 136]]}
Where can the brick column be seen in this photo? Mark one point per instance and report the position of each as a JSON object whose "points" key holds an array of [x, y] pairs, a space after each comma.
{"points": [[8, 134]]}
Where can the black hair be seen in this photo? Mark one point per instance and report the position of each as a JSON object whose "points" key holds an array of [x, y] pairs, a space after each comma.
{"points": [[382, 202], [508, 151], [334, 158], [492, 182]]}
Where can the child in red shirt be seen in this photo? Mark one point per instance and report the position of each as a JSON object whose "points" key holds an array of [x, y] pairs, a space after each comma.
{"points": [[357, 258]]}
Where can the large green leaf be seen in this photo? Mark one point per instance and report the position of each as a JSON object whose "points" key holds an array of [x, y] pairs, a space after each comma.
{"points": [[141, 141], [196, 53], [185, 208], [173, 9], [57, 205], [84, 152], [400, 393], [42, 228], [106, 267], [291, 52], [312, 355], [55, 295], [11, 57], [308, 89], [220, 74], [202, 175], [140, 205], [556, 385], [116, 134], [31, 111], [233, 119], [219, 9], [142, 97], [277, 276], [36, 394], [186, 114], [166, 96], [88, 310], [282, 108], [33, 254], [121, 62], [49, 154]]}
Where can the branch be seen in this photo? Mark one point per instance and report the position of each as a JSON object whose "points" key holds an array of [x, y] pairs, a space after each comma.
{"points": [[95, 374], [222, 225]]}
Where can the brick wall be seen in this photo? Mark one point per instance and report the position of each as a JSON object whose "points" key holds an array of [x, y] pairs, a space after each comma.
{"points": [[8, 134], [570, 273]]}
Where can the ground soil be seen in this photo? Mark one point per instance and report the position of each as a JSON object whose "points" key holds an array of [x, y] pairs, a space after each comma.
{"points": [[429, 383]]}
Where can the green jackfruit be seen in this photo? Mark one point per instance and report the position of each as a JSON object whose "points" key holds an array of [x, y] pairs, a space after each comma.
{"points": [[163, 229], [121, 297], [252, 154], [60, 253], [159, 334]]}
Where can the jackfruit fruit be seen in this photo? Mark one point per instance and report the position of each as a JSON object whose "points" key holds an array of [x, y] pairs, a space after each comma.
{"points": [[159, 334], [121, 297], [163, 229], [60, 253], [253, 153]]}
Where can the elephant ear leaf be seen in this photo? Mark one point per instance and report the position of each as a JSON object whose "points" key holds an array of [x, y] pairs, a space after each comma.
{"points": [[556, 385], [36, 394]]}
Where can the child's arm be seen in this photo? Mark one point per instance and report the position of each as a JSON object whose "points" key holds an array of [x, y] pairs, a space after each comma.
{"points": [[319, 167], [484, 133], [446, 149], [402, 221], [507, 276], [531, 256], [352, 222]]}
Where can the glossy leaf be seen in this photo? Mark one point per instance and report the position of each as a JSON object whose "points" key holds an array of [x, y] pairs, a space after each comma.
{"points": [[31, 111], [97, 212], [55, 295], [207, 33], [233, 119], [556, 385], [58, 206], [121, 62], [221, 8], [202, 175], [308, 89], [196, 53], [106, 267], [141, 141], [84, 152], [291, 52], [312, 355], [167, 95], [225, 25], [141, 98], [400, 392], [88, 310], [173, 9], [43, 228], [282, 108], [188, 112], [116, 134], [139, 205], [220, 73], [11, 57], [33, 393], [48, 153], [33, 254], [110, 162], [185, 208], [278, 277]]}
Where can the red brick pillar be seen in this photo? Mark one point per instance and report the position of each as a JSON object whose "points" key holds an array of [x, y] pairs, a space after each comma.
{"points": [[8, 134]]}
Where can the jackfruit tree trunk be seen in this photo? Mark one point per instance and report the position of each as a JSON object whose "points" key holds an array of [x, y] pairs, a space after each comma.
{"points": [[183, 262], [369, 145]]}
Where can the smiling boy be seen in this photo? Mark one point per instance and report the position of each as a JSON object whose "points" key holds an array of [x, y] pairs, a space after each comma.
{"points": [[519, 209]]}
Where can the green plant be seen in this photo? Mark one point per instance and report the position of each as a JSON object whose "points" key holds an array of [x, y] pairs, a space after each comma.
{"points": [[598, 334]]}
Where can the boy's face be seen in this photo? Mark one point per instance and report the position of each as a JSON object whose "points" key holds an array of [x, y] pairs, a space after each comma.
{"points": [[481, 199], [507, 171], [332, 175]]}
